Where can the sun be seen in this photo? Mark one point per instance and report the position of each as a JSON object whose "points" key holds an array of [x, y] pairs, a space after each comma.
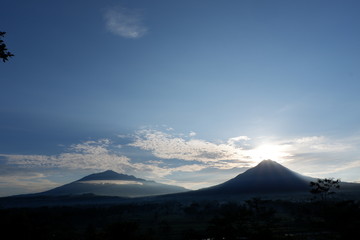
{"points": [[275, 152]]}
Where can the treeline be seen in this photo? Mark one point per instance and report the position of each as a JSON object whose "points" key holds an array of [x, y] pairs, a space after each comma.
{"points": [[252, 219]]}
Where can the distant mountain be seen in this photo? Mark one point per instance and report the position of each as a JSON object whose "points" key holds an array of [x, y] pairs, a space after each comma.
{"points": [[110, 183], [267, 177]]}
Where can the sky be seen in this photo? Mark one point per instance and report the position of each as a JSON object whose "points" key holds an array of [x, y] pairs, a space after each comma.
{"points": [[190, 93]]}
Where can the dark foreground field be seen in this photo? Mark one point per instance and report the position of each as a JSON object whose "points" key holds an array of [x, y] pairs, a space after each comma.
{"points": [[251, 219]]}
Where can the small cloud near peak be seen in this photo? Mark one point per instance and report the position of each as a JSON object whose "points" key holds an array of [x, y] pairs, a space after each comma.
{"points": [[192, 134], [233, 141]]}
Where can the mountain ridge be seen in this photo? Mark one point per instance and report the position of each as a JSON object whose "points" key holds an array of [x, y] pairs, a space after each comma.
{"points": [[268, 178], [111, 183]]}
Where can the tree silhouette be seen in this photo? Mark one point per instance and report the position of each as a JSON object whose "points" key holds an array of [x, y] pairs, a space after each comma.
{"points": [[324, 187], [4, 53]]}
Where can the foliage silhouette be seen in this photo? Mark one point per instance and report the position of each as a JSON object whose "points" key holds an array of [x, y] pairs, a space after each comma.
{"points": [[4, 53], [324, 187]]}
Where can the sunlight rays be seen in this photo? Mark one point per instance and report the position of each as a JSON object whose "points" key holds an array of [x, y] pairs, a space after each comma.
{"points": [[275, 152]]}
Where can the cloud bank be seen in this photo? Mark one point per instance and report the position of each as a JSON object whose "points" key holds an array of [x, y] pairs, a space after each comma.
{"points": [[125, 22], [195, 154], [25, 183], [314, 155], [183, 159]]}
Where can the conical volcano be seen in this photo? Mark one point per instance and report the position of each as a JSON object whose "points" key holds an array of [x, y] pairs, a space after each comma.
{"points": [[267, 177]]}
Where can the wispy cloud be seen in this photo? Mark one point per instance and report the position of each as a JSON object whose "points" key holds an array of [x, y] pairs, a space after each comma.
{"points": [[318, 144], [86, 155], [125, 22], [166, 146]]}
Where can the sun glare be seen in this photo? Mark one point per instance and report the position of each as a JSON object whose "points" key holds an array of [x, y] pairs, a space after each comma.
{"points": [[274, 152]]}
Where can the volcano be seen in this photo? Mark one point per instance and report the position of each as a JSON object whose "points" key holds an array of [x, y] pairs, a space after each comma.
{"points": [[110, 183], [267, 177]]}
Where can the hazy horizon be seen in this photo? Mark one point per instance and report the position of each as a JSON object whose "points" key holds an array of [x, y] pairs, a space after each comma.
{"points": [[189, 93]]}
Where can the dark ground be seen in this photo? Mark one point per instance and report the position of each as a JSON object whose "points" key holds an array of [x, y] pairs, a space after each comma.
{"points": [[198, 219]]}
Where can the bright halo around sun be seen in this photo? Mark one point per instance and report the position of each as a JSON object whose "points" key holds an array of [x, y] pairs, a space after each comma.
{"points": [[278, 153]]}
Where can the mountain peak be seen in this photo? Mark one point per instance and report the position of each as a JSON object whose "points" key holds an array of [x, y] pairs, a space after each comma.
{"points": [[270, 166], [110, 175], [268, 162], [110, 172], [267, 176]]}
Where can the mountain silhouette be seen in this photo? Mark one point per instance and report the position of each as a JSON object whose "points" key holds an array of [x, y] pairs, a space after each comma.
{"points": [[267, 177], [110, 183]]}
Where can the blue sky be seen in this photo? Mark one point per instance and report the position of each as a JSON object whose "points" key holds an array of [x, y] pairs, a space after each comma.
{"points": [[184, 92]]}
